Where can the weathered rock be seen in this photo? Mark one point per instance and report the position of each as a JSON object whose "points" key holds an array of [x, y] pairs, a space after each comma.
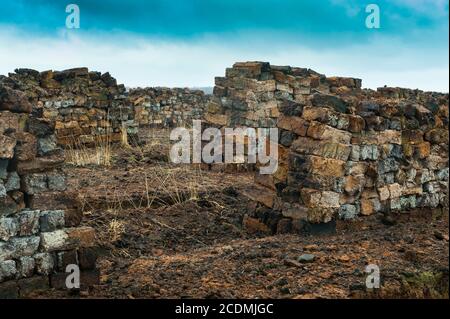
{"points": [[51, 220], [321, 131], [324, 199], [253, 225], [2, 190], [28, 223], [44, 263], [327, 167], [8, 228], [370, 206], [10, 204], [56, 240], [35, 183], [330, 101], [294, 124], [25, 266], [46, 145], [7, 270], [83, 236], [26, 147], [12, 182], [7, 145], [24, 246], [369, 152], [306, 258], [56, 182], [13, 100], [325, 149], [388, 165], [3, 168], [348, 211]]}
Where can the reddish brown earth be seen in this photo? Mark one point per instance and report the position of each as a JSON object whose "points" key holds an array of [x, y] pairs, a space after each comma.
{"points": [[166, 231]]}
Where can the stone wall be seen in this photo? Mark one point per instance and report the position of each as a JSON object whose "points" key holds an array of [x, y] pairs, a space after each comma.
{"points": [[85, 106], [39, 220], [344, 151], [167, 107], [88, 107]]}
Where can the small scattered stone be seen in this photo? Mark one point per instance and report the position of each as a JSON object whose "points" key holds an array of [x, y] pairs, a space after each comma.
{"points": [[306, 258], [440, 236]]}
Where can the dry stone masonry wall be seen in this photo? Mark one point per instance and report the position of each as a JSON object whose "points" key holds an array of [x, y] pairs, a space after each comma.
{"points": [[344, 151], [87, 107], [167, 107], [84, 106], [39, 221]]}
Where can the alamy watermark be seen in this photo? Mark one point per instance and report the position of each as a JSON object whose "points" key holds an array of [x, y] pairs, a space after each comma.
{"points": [[73, 19], [73, 279], [373, 277], [373, 19], [260, 145]]}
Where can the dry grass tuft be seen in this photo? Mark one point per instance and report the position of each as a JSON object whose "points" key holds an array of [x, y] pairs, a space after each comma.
{"points": [[115, 230]]}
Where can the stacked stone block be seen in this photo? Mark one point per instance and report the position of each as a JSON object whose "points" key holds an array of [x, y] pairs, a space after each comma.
{"points": [[85, 107], [36, 235], [344, 151], [167, 107]]}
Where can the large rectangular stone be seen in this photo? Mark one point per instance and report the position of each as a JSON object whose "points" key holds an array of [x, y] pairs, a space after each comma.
{"points": [[326, 166], [321, 131], [45, 263], [25, 266], [9, 122], [7, 145], [40, 164], [26, 147], [308, 146], [23, 246], [294, 124], [56, 240], [8, 270], [11, 203], [389, 137], [51, 220], [324, 199], [8, 228], [83, 236], [35, 183], [217, 119], [28, 223], [260, 194]]}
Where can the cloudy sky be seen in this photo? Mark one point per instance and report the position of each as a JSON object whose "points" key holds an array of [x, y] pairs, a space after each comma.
{"points": [[188, 42]]}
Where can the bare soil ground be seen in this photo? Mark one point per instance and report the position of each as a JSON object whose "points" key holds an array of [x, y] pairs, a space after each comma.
{"points": [[167, 231]]}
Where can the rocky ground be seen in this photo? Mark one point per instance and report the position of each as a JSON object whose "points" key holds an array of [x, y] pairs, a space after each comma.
{"points": [[167, 231]]}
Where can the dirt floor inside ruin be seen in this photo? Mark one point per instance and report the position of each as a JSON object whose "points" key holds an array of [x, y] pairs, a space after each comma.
{"points": [[166, 231]]}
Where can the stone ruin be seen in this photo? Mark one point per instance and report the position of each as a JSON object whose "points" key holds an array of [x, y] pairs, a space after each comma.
{"points": [[39, 223], [88, 106], [84, 106], [41, 113], [167, 107], [344, 151]]}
